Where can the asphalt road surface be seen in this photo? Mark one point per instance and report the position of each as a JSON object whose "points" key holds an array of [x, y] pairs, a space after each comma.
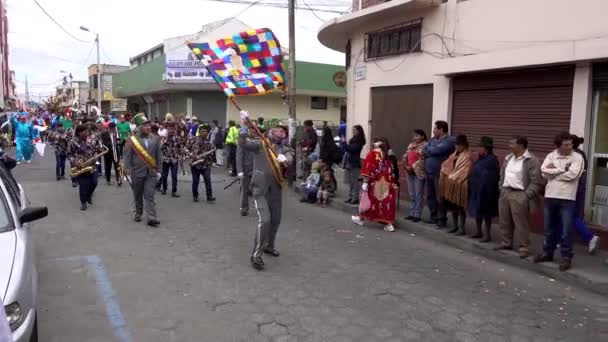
{"points": [[104, 277]]}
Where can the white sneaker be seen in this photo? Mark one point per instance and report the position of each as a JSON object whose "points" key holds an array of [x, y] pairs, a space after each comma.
{"points": [[18, 163], [357, 220], [389, 228], [29, 161], [593, 244]]}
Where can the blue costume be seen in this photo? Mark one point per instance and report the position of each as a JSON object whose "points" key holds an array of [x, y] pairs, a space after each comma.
{"points": [[24, 135]]}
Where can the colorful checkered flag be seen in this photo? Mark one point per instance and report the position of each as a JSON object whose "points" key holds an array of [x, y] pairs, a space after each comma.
{"points": [[248, 63]]}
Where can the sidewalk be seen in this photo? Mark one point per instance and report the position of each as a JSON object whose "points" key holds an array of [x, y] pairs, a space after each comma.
{"points": [[588, 271]]}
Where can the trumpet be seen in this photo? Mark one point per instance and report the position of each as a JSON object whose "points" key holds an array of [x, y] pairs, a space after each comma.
{"points": [[88, 165]]}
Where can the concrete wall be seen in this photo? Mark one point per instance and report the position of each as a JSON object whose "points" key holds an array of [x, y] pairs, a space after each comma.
{"points": [[483, 35], [271, 106]]}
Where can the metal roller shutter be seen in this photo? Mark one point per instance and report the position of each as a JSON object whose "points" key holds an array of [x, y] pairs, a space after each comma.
{"points": [[536, 103]]}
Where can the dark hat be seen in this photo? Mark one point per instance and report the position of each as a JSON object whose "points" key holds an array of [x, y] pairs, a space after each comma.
{"points": [[486, 142]]}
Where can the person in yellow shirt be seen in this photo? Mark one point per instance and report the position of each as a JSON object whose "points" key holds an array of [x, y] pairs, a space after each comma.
{"points": [[232, 139]]}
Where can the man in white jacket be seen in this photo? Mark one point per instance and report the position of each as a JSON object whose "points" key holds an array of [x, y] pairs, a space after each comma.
{"points": [[562, 169]]}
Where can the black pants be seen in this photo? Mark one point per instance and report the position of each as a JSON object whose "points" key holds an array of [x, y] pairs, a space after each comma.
{"points": [[87, 184], [60, 165], [108, 161], [232, 158], [165, 174], [196, 178]]}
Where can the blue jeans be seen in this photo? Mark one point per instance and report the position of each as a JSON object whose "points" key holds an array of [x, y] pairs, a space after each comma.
{"points": [[433, 198], [60, 165], [559, 213], [169, 166], [415, 188], [196, 178], [579, 223]]}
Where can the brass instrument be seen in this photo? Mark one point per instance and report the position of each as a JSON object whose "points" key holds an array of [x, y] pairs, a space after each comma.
{"points": [[88, 165], [202, 156]]}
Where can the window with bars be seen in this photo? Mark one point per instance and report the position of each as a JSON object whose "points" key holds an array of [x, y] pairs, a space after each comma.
{"points": [[396, 40]]}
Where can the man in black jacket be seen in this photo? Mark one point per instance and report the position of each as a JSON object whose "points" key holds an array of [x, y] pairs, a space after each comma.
{"points": [[109, 138]]}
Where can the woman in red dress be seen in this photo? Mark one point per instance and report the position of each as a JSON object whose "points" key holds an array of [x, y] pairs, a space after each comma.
{"points": [[379, 185]]}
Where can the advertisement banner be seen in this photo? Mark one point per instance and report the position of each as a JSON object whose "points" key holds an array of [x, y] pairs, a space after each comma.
{"points": [[181, 65]]}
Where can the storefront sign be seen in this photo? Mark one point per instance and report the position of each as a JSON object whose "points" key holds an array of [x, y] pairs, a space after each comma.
{"points": [[360, 73], [181, 65]]}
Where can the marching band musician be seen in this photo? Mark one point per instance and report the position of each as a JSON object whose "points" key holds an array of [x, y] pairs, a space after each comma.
{"points": [[266, 188], [81, 149], [142, 157], [110, 139], [172, 150], [60, 140], [201, 160]]}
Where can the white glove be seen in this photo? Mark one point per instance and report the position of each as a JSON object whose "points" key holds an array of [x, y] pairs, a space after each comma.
{"points": [[240, 175], [364, 186], [158, 175], [244, 115], [281, 158]]}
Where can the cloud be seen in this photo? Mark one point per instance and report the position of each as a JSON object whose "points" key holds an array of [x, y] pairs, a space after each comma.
{"points": [[40, 49]]}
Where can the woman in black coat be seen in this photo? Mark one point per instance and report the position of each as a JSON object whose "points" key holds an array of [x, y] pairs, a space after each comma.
{"points": [[352, 162], [328, 151], [483, 189]]}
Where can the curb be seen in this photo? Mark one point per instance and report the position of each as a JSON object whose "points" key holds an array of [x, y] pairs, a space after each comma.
{"points": [[576, 277]]}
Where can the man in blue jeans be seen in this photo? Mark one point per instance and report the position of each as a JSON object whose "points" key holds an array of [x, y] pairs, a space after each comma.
{"points": [[562, 168], [435, 153]]}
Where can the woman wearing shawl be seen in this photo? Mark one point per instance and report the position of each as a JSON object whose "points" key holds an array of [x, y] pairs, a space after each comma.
{"points": [[379, 183], [483, 189], [413, 162], [453, 183], [24, 136]]}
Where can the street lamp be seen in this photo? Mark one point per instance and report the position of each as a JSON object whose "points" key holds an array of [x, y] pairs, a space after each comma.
{"points": [[98, 68]]}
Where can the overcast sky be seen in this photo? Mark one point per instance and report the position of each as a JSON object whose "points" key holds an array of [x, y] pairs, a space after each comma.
{"points": [[41, 50]]}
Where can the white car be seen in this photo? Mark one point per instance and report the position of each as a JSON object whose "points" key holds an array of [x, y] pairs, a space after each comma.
{"points": [[18, 272]]}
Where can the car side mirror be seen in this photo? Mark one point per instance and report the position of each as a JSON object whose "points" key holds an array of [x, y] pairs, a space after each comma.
{"points": [[32, 214]]}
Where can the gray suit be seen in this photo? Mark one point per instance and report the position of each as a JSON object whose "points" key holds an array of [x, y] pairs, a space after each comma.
{"points": [[244, 163], [266, 192], [143, 178]]}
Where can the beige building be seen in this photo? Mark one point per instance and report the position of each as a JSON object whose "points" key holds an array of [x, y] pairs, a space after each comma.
{"points": [[488, 67]]}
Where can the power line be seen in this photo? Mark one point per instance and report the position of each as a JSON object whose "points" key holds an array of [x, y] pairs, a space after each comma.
{"points": [[280, 5], [59, 25], [226, 21], [103, 52], [313, 12]]}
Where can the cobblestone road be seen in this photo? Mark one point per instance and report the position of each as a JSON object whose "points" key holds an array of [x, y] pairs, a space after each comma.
{"points": [[190, 279]]}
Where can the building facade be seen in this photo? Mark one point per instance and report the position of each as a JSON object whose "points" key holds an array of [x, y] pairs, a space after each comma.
{"points": [[491, 67], [168, 79], [109, 103], [7, 96]]}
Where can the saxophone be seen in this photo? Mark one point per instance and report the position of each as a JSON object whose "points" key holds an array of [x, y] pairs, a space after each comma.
{"points": [[88, 165]]}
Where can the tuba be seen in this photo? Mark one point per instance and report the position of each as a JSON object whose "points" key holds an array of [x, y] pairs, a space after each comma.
{"points": [[88, 165]]}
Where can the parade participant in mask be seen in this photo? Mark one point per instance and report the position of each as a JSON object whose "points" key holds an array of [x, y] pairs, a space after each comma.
{"points": [[271, 158]]}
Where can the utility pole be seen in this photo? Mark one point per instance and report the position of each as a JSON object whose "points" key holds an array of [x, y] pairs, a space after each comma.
{"points": [[291, 70], [27, 93], [99, 91], [291, 81]]}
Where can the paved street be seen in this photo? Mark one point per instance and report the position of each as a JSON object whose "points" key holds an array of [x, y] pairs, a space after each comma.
{"points": [[104, 277]]}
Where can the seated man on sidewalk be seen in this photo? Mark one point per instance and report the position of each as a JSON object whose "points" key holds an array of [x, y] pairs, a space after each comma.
{"points": [[520, 184], [562, 168]]}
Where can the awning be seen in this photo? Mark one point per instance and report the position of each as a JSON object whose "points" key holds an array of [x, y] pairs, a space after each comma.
{"points": [[335, 33]]}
